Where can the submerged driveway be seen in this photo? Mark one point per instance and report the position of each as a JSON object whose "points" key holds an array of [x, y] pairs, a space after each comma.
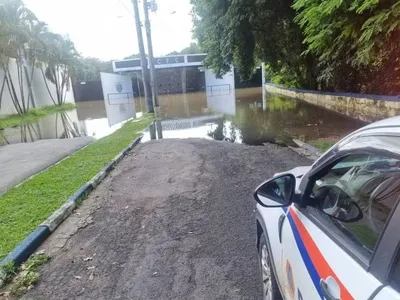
{"points": [[174, 220]]}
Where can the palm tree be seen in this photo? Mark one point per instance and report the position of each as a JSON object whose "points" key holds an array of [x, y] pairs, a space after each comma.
{"points": [[58, 62], [27, 41], [34, 48], [15, 23]]}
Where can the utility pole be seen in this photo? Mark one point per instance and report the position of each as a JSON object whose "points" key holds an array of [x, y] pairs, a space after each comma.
{"points": [[143, 61], [153, 79]]}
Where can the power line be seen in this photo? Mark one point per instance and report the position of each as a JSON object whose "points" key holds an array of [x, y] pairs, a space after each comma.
{"points": [[130, 12]]}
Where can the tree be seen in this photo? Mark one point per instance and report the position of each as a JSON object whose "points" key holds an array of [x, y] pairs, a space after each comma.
{"points": [[27, 41], [353, 40], [137, 55], [244, 33], [57, 64], [89, 68], [192, 49], [16, 22]]}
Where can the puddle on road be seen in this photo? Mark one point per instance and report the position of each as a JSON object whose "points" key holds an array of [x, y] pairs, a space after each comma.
{"points": [[239, 116]]}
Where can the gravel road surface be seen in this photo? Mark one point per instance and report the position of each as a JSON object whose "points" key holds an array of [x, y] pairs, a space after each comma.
{"points": [[174, 220]]}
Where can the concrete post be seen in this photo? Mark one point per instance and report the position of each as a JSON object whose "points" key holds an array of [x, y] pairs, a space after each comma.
{"points": [[143, 61]]}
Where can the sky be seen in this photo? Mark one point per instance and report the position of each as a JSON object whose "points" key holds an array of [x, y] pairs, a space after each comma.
{"points": [[106, 28]]}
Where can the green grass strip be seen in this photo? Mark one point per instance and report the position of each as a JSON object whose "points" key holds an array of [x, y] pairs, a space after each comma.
{"points": [[33, 115], [323, 145], [24, 207]]}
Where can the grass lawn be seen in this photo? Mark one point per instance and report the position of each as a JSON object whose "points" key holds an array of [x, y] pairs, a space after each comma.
{"points": [[24, 207], [33, 115], [323, 144]]}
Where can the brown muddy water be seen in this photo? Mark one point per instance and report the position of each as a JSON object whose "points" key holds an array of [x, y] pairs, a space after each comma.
{"points": [[241, 116]]}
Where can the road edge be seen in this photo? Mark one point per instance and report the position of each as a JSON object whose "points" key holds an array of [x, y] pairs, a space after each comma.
{"points": [[306, 150], [29, 245]]}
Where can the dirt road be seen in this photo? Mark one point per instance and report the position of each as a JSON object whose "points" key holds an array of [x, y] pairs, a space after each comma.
{"points": [[173, 221]]}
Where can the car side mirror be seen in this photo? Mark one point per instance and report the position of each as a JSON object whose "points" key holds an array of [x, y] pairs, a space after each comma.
{"points": [[276, 192], [340, 207]]}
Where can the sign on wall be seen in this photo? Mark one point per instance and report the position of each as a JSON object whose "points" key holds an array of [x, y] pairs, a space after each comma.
{"points": [[169, 60], [118, 97]]}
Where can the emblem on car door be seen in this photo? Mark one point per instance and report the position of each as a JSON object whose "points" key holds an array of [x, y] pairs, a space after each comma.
{"points": [[290, 279]]}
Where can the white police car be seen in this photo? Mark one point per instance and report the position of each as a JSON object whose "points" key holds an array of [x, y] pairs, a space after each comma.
{"points": [[332, 230]]}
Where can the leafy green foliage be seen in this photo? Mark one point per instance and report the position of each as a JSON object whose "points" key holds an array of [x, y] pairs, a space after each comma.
{"points": [[354, 41], [192, 49], [23, 278], [244, 33], [89, 68], [323, 144], [338, 45], [9, 269], [135, 55], [28, 41]]}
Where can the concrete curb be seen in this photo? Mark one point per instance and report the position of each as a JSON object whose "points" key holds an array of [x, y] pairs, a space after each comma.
{"points": [[28, 246], [306, 150]]}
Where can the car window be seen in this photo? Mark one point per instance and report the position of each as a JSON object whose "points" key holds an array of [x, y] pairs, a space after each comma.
{"points": [[370, 181]]}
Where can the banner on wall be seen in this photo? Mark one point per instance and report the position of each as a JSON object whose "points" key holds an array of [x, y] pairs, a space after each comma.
{"points": [[118, 97]]}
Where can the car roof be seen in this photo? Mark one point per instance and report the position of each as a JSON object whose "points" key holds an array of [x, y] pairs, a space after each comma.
{"points": [[389, 122], [389, 125]]}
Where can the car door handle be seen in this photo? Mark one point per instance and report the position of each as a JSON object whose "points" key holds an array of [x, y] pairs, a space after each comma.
{"points": [[330, 289], [280, 226]]}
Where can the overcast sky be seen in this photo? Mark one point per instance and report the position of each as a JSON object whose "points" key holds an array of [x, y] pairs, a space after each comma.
{"points": [[106, 28]]}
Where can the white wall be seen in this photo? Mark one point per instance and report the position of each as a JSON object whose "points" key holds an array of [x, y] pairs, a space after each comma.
{"points": [[40, 93], [221, 96], [215, 85], [223, 103]]}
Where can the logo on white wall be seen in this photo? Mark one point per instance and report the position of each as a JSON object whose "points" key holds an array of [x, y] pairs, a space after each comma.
{"points": [[119, 87]]}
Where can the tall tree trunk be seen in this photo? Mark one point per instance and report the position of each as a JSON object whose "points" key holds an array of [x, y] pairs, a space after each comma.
{"points": [[47, 85], [28, 77], [11, 88], [57, 84], [64, 84], [14, 101], [55, 126], [2, 89], [21, 85], [29, 80]]}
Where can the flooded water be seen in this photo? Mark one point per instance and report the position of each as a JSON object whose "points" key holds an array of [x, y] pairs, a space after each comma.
{"points": [[240, 116], [246, 116]]}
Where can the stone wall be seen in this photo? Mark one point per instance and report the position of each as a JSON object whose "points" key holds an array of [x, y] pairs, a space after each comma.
{"points": [[368, 108]]}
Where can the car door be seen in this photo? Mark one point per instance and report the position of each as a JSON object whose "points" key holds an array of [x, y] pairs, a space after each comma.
{"points": [[392, 288], [387, 262], [273, 217], [324, 257]]}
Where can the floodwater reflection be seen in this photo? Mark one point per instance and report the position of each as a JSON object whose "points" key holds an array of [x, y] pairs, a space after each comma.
{"points": [[60, 125]]}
